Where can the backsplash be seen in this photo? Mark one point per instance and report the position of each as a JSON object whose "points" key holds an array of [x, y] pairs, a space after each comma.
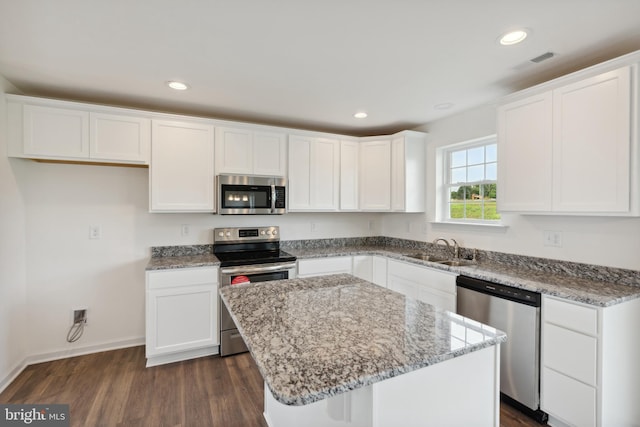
{"points": [[566, 268]]}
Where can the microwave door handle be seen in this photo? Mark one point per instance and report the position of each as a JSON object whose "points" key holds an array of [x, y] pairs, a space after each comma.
{"points": [[273, 198]]}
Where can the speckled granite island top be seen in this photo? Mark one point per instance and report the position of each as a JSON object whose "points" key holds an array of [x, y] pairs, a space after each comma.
{"points": [[317, 337]]}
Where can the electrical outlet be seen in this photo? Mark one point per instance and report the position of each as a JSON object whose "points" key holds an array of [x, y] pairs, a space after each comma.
{"points": [[95, 232], [408, 226], [313, 226], [80, 315], [371, 225], [553, 238], [185, 229]]}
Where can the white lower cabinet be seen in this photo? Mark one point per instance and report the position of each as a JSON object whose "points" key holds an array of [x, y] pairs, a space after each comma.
{"points": [[181, 314], [363, 267], [372, 268], [324, 266], [589, 368], [435, 287]]}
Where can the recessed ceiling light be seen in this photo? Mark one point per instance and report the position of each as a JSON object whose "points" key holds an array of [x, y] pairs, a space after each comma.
{"points": [[513, 37], [360, 115], [177, 85]]}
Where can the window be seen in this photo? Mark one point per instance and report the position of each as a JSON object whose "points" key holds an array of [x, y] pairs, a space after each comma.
{"points": [[470, 181]]}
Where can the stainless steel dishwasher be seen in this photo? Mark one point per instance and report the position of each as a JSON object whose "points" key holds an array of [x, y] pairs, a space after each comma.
{"points": [[517, 313]]}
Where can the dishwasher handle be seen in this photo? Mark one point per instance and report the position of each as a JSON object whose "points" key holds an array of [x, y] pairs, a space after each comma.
{"points": [[510, 293]]}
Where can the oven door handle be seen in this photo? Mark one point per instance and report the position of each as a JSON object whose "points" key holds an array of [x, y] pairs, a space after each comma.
{"points": [[252, 269]]}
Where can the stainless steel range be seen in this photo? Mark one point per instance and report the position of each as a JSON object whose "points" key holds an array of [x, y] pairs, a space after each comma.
{"points": [[250, 254]]}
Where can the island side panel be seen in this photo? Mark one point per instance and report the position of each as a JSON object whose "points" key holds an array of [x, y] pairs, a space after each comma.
{"points": [[460, 392], [463, 391]]}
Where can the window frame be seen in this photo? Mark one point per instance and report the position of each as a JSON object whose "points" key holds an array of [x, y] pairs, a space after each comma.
{"points": [[444, 184]]}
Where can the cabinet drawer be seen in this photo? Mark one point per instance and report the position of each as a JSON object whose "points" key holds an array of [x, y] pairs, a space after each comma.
{"points": [[568, 399], [322, 266], [571, 353], [159, 279], [572, 316]]}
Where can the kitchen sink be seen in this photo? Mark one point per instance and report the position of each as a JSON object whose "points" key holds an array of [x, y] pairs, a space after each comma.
{"points": [[427, 257], [440, 260], [457, 262]]}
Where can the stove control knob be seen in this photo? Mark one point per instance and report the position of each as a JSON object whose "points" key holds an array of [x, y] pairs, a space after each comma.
{"points": [[228, 234], [269, 232], [262, 232], [275, 232], [220, 233]]}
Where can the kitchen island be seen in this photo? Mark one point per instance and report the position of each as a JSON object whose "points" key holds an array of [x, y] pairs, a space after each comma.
{"points": [[340, 351]]}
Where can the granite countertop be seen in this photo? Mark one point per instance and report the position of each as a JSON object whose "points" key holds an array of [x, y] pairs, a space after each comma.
{"points": [[590, 284], [591, 289], [187, 256], [317, 337]]}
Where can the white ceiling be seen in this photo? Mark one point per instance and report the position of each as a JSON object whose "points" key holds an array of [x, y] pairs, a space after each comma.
{"points": [[301, 63]]}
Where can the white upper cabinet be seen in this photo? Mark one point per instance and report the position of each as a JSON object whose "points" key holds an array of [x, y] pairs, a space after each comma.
{"points": [[314, 173], [375, 175], [349, 167], [181, 171], [572, 148], [56, 132], [60, 130], [408, 167], [250, 152], [525, 154], [119, 137], [591, 144], [392, 173]]}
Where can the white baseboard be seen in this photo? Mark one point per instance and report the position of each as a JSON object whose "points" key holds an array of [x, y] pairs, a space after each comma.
{"points": [[80, 351], [12, 375], [63, 354]]}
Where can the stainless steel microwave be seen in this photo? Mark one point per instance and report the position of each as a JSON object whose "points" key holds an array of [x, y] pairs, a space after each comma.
{"points": [[251, 195]]}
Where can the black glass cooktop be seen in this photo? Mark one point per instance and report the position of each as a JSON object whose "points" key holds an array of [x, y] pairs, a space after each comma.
{"points": [[228, 259]]}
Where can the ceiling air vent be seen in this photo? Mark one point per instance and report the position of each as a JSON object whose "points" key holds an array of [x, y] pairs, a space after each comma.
{"points": [[543, 57]]}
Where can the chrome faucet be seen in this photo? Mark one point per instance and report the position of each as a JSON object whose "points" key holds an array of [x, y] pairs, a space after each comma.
{"points": [[456, 247]]}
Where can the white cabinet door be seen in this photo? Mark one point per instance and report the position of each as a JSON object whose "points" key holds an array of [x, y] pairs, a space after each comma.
{"points": [[432, 286], [181, 169], [363, 267], [591, 151], [181, 319], [181, 311], [349, 167], [375, 175], [324, 266], [119, 138], [408, 165], [53, 132], [525, 154], [234, 151], [269, 153], [314, 173], [248, 152], [567, 399], [379, 274]]}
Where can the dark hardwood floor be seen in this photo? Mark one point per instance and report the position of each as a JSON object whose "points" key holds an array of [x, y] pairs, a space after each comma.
{"points": [[115, 389]]}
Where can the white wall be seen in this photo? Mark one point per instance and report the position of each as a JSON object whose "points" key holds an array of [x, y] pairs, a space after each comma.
{"points": [[67, 270], [606, 241], [12, 260]]}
